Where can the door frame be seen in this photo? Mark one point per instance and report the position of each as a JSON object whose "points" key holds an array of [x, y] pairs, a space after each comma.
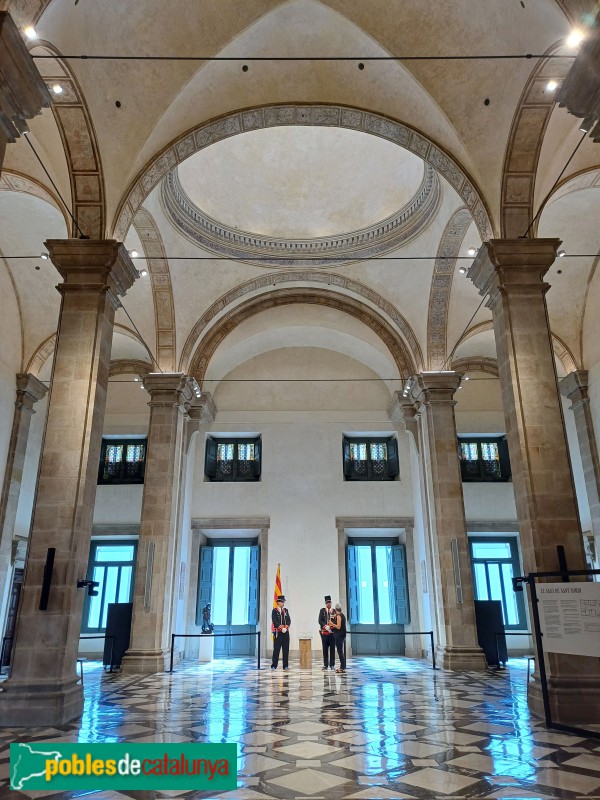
{"points": [[204, 528], [384, 528]]}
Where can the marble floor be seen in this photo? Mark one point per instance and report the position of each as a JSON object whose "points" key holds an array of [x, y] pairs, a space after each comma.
{"points": [[388, 728]]}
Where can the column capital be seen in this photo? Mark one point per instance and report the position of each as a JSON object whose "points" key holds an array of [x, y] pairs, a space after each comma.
{"points": [[92, 264], [169, 389], [203, 409], [436, 387], [512, 263], [29, 391], [24, 92], [402, 408], [574, 386]]}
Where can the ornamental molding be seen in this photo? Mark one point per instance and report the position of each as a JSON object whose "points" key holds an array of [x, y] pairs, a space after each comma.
{"points": [[441, 286], [292, 278], [334, 116], [323, 251], [208, 345]]}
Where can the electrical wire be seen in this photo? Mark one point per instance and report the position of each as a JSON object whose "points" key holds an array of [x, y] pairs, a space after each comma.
{"points": [[463, 333], [341, 261], [154, 361], [82, 234], [545, 200], [358, 59]]}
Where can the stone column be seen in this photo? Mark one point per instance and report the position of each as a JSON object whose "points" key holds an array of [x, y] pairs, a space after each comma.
{"points": [[433, 392], [29, 391], [42, 688], [23, 93], [575, 387], [511, 273], [171, 394]]}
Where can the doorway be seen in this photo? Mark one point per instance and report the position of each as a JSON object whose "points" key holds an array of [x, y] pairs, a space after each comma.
{"points": [[377, 596], [229, 580]]}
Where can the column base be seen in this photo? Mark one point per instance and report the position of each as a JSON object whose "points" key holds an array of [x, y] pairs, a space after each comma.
{"points": [[574, 699], [146, 662], [462, 659], [35, 704]]}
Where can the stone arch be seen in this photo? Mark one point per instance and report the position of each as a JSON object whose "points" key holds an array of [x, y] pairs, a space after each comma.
{"points": [[561, 350], [129, 366], [441, 286], [525, 144], [279, 297], [383, 308], [79, 142], [252, 119], [12, 181], [162, 290], [46, 349], [476, 364]]}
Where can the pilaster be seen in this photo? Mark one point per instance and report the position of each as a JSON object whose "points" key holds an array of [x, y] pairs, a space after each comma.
{"points": [[575, 387], [510, 272], [29, 391], [171, 396], [24, 92], [43, 688], [433, 392]]}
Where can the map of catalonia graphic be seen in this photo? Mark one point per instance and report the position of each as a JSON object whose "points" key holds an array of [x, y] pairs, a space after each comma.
{"points": [[18, 778]]}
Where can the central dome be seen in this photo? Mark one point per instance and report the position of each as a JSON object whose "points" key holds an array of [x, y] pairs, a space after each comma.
{"points": [[301, 181]]}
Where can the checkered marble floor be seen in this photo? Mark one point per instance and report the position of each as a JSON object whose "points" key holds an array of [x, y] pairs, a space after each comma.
{"points": [[388, 728]]}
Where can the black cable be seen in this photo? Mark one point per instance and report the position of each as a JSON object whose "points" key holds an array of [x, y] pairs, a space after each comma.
{"points": [[342, 261], [463, 333], [154, 361], [82, 234], [482, 57], [543, 203]]}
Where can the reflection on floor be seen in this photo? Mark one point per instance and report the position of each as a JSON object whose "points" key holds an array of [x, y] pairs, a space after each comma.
{"points": [[388, 728]]}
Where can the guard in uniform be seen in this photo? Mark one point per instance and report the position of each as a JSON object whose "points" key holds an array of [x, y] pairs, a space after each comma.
{"points": [[280, 617], [327, 640]]}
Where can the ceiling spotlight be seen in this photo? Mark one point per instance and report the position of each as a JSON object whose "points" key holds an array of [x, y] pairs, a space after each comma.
{"points": [[143, 273], [30, 32], [561, 253], [133, 253], [466, 378], [141, 385], [137, 380], [57, 88], [586, 125], [575, 38], [472, 251], [551, 86], [462, 270], [459, 387], [44, 256]]}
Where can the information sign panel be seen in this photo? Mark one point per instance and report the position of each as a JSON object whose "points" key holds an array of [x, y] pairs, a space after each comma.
{"points": [[570, 617]]}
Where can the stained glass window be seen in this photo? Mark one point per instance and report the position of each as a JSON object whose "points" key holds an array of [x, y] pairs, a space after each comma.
{"points": [[370, 459], [484, 460], [233, 460], [122, 461]]}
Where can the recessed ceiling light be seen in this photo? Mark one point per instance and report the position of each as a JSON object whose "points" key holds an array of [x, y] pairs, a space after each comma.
{"points": [[575, 38], [462, 270], [44, 256], [30, 32], [551, 86], [561, 253], [143, 273], [57, 88], [472, 251], [133, 253]]}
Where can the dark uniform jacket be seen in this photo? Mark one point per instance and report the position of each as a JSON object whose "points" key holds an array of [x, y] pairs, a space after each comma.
{"points": [[280, 618]]}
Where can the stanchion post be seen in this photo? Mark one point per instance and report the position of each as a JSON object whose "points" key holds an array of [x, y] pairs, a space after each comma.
{"points": [[172, 651], [112, 654], [257, 649], [432, 651], [540, 649]]}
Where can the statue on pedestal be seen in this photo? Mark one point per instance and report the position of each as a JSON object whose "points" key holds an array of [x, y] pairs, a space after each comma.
{"points": [[207, 625]]}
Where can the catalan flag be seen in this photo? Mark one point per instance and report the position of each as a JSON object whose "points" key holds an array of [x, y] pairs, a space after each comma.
{"points": [[276, 593]]}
